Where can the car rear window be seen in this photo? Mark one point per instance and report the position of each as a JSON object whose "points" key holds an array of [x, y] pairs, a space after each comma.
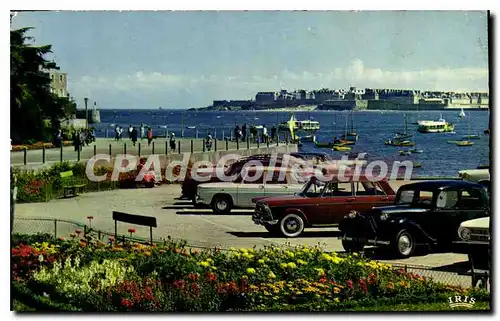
{"points": [[415, 197]]}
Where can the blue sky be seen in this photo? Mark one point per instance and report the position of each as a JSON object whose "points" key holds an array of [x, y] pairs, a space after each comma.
{"points": [[189, 59]]}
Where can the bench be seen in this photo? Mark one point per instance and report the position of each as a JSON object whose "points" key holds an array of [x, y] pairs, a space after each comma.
{"points": [[70, 187]]}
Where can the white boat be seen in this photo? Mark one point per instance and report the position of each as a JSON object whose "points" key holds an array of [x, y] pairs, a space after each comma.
{"points": [[462, 114], [435, 126], [191, 127], [299, 125]]}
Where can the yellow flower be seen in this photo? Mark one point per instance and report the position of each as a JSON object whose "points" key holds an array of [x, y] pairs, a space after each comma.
{"points": [[244, 277], [321, 272], [232, 249], [210, 260], [242, 250], [292, 265], [336, 300], [271, 275], [261, 261], [237, 255], [250, 270], [290, 254], [205, 264], [298, 293], [266, 293], [326, 256], [301, 262], [283, 265], [355, 254], [337, 260], [336, 290], [213, 268], [360, 263]]}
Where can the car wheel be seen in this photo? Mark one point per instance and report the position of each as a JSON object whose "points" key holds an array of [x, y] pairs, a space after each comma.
{"points": [[273, 229], [291, 225], [351, 246], [222, 204], [405, 244]]}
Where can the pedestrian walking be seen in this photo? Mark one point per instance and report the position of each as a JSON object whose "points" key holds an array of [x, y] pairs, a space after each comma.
{"points": [[142, 131], [76, 140], [133, 135], [149, 135], [117, 132], [172, 141], [244, 131], [273, 133], [208, 142], [264, 134], [130, 129], [237, 132]]}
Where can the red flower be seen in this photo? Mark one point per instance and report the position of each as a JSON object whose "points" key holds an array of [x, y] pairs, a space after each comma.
{"points": [[83, 244], [363, 285], [372, 279], [193, 277], [195, 289], [349, 284], [131, 230], [178, 284], [78, 231], [211, 277], [127, 303], [323, 280]]}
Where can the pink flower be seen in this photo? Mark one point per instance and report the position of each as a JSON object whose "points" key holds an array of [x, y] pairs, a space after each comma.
{"points": [[78, 231]]}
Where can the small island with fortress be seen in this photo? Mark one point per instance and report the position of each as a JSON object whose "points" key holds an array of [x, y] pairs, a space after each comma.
{"points": [[357, 99]]}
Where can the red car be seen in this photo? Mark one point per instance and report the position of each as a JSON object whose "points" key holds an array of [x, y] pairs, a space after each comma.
{"points": [[321, 204]]}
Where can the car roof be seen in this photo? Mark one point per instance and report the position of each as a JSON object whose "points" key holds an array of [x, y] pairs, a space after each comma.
{"points": [[441, 184], [351, 177]]}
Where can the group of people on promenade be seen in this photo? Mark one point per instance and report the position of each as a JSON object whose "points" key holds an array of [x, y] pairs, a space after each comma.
{"points": [[80, 138], [134, 134], [240, 134]]}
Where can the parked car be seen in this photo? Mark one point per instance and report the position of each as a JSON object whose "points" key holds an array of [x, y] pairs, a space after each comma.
{"points": [[425, 213], [475, 236], [190, 185], [224, 196], [480, 176], [320, 204]]}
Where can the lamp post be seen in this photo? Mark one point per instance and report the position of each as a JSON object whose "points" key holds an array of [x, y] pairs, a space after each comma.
{"points": [[86, 113]]}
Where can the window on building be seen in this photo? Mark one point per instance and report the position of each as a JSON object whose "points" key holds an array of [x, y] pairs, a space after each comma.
{"points": [[61, 78], [61, 91], [52, 77]]}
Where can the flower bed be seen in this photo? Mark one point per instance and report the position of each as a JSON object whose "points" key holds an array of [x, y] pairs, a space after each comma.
{"points": [[90, 275], [38, 145]]}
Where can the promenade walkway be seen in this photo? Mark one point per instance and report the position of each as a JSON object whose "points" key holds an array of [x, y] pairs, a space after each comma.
{"points": [[36, 158]]}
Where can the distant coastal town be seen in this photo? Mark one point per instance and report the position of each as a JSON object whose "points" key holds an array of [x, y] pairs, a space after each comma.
{"points": [[356, 99]]}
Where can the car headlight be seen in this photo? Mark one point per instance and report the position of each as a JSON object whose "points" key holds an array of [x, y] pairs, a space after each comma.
{"points": [[352, 214], [384, 216], [464, 233]]}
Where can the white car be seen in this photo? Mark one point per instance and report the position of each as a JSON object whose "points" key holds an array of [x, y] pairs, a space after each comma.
{"points": [[224, 196], [480, 176], [476, 230]]}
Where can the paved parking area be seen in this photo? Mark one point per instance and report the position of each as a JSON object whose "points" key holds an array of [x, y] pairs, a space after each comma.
{"points": [[179, 220]]}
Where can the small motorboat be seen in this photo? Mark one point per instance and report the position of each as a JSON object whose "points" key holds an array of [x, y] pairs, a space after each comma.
{"points": [[452, 142], [404, 153], [322, 144], [417, 165], [405, 143], [308, 138], [341, 148], [471, 137], [218, 117], [190, 127], [347, 142], [416, 151], [464, 143]]}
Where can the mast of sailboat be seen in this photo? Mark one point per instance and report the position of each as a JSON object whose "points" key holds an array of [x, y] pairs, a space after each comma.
{"points": [[345, 135], [406, 125]]}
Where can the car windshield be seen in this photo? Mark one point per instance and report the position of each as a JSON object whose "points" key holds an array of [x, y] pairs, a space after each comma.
{"points": [[415, 197], [312, 189]]}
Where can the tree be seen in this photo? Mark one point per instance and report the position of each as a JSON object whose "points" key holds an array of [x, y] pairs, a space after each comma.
{"points": [[32, 103]]}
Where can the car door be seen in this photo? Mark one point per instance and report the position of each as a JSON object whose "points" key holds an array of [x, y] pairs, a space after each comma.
{"points": [[368, 195], [248, 188], [336, 201]]}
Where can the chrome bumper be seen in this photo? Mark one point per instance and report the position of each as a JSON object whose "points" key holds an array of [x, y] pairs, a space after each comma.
{"points": [[365, 241]]}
